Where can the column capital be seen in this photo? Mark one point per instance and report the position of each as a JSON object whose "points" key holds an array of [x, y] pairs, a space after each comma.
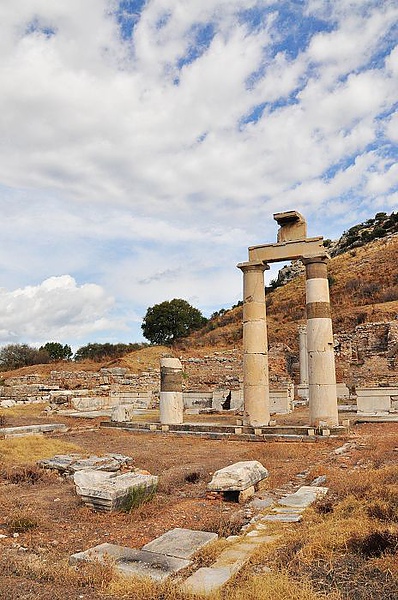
{"points": [[253, 266], [302, 328], [309, 260]]}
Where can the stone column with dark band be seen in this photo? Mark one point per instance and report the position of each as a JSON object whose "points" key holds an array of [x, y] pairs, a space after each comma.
{"points": [[171, 401], [321, 366], [255, 346]]}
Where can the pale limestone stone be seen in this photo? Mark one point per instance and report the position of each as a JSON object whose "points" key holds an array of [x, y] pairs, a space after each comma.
{"points": [[108, 491], [7, 403], [322, 404], [123, 413], [317, 290], [244, 495], [171, 408], [303, 354], [280, 401], [319, 334], [321, 367], [304, 496], [255, 346], [171, 398], [289, 250], [181, 543], [374, 400], [131, 562], [238, 477]]}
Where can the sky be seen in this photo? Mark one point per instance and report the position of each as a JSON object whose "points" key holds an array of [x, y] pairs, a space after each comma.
{"points": [[144, 145]]}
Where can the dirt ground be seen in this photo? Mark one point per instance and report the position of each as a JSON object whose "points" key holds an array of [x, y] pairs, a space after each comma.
{"points": [[63, 525]]}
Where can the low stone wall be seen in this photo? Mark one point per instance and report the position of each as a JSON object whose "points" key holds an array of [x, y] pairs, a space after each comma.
{"points": [[377, 400]]}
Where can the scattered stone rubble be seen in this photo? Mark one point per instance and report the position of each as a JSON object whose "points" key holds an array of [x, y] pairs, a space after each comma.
{"points": [[173, 551], [161, 558], [68, 464]]}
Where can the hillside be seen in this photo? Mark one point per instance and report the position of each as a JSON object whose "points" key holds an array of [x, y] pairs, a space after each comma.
{"points": [[363, 289]]}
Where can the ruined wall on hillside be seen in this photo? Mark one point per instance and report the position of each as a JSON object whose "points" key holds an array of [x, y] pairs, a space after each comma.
{"points": [[369, 355]]}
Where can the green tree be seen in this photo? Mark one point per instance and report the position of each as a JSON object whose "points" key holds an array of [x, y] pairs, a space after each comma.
{"points": [[57, 351], [104, 351], [166, 322], [15, 356]]}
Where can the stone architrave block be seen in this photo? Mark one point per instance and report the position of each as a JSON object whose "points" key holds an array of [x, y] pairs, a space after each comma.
{"points": [[374, 400], [132, 562], [108, 492], [181, 543], [238, 477]]}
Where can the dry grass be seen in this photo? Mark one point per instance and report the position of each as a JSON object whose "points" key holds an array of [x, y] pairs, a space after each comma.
{"points": [[29, 449], [40, 569], [349, 541], [25, 410]]}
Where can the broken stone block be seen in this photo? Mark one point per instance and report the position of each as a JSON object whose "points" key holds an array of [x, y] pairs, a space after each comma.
{"points": [[181, 543], [70, 463], [238, 477], [123, 413], [7, 403], [304, 496], [244, 495], [108, 492], [284, 518], [132, 562], [207, 580]]}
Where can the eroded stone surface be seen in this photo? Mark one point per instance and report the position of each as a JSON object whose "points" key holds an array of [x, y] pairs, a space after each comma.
{"points": [[70, 463], [238, 477], [181, 543], [304, 496], [132, 562], [104, 491]]}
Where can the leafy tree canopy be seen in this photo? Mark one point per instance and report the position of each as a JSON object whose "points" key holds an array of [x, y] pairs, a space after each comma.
{"points": [[57, 351], [15, 356], [104, 351], [165, 322]]}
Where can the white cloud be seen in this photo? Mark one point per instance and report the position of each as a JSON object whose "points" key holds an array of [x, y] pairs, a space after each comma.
{"points": [[125, 163], [57, 309]]}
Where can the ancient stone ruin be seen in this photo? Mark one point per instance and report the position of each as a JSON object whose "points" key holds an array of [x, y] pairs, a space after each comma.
{"points": [[292, 244]]}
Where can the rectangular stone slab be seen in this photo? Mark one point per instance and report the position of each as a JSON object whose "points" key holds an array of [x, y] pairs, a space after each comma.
{"points": [[33, 429], [284, 518], [132, 562], [304, 496], [181, 543]]}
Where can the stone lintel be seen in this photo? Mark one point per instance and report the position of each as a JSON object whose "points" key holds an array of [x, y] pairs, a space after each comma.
{"points": [[288, 250]]}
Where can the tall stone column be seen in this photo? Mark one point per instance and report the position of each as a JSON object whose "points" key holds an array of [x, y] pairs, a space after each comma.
{"points": [[255, 346], [321, 367], [303, 354], [171, 401]]}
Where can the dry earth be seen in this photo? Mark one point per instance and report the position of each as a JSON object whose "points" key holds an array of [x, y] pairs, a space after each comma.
{"points": [[33, 559]]}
